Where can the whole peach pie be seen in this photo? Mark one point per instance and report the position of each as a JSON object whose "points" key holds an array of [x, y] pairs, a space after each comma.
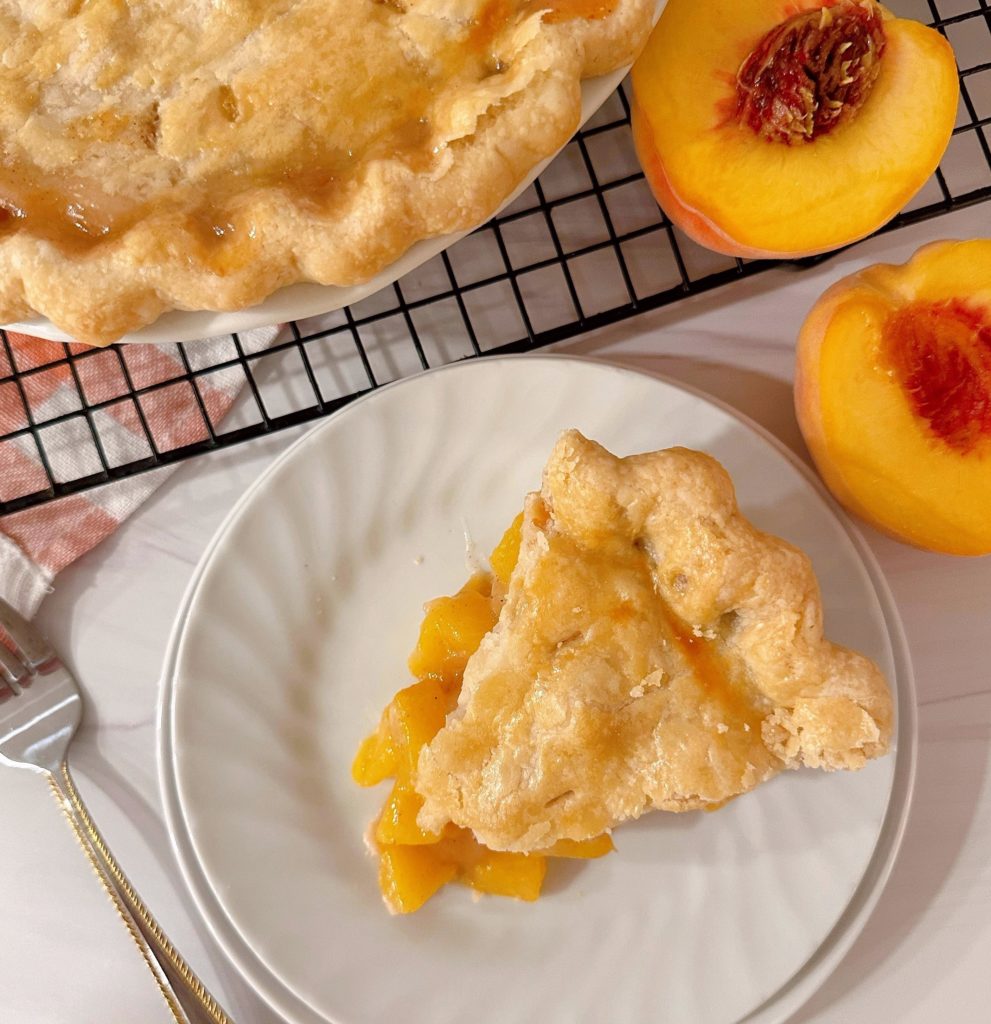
{"points": [[200, 155]]}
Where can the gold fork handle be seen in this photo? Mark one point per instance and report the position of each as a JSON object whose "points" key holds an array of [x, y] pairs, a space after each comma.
{"points": [[187, 997]]}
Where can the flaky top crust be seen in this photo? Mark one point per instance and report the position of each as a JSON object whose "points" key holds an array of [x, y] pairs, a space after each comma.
{"points": [[655, 650], [200, 155]]}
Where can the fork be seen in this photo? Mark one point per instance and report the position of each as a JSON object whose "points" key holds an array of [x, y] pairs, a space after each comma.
{"points": [[40, 710]]}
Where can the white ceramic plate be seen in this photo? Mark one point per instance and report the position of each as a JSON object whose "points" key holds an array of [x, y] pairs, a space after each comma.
{"points": [[302, 300], [294, 634]]}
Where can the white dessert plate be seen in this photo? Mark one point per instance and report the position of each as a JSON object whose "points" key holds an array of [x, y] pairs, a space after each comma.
{"points": [[294, 634], [302, 300]]}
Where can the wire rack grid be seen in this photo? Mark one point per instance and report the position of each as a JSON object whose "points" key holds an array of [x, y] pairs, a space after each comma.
{"points": [[584, 246]]}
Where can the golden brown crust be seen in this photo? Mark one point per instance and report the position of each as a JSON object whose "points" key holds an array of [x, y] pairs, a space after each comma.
{"points": [[201, 155], [655, 650]]}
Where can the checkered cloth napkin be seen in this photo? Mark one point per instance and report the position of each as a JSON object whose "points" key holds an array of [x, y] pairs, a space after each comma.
{"points": [[37, 543]]}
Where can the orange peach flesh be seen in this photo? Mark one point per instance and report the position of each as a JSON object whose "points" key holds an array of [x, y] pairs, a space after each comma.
{"points": [[893, 395], [736, 192]]}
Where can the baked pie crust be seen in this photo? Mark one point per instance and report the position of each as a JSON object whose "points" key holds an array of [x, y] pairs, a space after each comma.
{"points": [[655, 650], [200, 155]]}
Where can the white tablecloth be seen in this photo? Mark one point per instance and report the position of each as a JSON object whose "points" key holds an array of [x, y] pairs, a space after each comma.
{"points": [[924, 955]]}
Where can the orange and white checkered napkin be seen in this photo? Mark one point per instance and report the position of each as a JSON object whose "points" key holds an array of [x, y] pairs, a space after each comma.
{"points": [[137, 396]]}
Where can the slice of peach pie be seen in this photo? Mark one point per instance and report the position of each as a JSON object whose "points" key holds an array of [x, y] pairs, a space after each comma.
{"points": [[646, 648]]}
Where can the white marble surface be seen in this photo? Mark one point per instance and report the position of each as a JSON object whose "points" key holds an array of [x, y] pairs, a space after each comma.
{"points": [[922, 958]]}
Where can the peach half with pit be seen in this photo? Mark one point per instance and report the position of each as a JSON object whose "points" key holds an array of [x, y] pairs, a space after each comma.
{"points": [[783, 129], [893, 395]]}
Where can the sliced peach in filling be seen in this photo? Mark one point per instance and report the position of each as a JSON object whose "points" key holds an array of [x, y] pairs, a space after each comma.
{"points": [[376, 758], [773, 128], [415, 864], [507, 874], [397, 823], [893, 395], [451, 631], [507, 552], [410, 875]]}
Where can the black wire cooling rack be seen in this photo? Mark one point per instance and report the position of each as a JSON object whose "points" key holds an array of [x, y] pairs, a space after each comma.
{"points": [[584, 246]]}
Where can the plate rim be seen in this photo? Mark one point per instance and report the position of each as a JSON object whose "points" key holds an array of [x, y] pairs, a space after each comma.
{"points": [[795, 990]]}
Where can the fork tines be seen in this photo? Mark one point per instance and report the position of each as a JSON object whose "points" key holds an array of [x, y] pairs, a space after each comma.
{"points": [[13, 671], [31, 647]]}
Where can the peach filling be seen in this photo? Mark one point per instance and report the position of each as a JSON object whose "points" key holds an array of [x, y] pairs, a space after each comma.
{"points": [[940, 354], [414, 864], [811, 71]]}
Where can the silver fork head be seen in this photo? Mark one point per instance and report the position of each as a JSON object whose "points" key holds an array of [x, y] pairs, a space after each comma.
{"points": [[40, 704]]}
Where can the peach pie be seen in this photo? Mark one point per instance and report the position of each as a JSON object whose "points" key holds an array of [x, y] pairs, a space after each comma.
{"points": [[200, 155], [640, 645]]}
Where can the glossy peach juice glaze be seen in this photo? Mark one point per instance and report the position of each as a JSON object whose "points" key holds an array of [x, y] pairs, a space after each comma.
{"points": [[414, 864]]}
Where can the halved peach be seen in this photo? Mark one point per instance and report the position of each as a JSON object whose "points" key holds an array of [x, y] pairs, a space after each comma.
{"points": [[784, 128], [893, 395]]}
